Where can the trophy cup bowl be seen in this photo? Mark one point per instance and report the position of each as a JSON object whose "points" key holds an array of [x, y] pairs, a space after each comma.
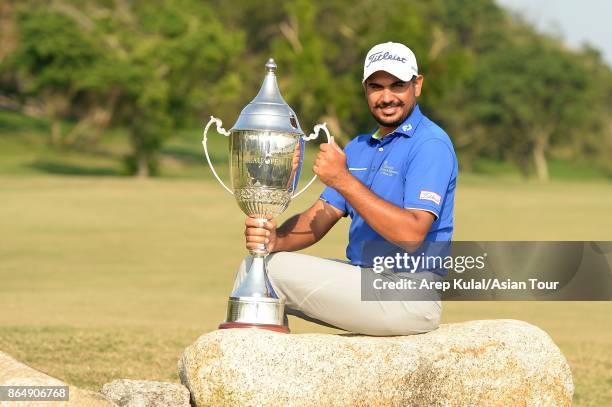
{"points": [[266, 150]]}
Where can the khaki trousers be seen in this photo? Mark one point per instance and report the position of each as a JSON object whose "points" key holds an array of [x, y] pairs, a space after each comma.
{"points": [[328, 292]]}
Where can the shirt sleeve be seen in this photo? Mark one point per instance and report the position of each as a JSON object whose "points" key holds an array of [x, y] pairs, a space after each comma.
{"points": [[333, 197], [428, 176]]}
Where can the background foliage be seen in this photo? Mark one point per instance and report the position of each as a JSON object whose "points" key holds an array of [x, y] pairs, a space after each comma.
{"points": [[502, 91]]}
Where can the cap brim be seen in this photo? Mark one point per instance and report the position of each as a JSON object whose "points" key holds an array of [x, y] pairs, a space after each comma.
{"points": [[402, 76]]}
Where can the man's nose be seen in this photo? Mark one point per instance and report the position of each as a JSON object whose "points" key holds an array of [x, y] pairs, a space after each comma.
{"points": [[387, 96]]}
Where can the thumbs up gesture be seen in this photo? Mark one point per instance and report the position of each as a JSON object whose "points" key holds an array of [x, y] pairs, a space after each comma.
{"points": [[330, 164]]}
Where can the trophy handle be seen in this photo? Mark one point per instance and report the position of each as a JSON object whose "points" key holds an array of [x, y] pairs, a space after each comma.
{"points": [[313, 136], [222, 131]]}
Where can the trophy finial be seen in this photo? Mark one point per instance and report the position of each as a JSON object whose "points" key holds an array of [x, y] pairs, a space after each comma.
{"points": [[268, 111], [271, 65]]}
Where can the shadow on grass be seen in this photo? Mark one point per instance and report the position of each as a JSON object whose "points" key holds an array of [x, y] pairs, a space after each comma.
{"points": [[188, 155], [182, 154], [12, 122], [53, 167]]}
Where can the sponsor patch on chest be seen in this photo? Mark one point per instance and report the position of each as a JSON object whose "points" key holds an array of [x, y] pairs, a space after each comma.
{"points": [[387, 169], [430, 196]]}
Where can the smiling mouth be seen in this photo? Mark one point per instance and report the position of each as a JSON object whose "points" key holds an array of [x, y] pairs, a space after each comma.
{"points": [[389, 110]]}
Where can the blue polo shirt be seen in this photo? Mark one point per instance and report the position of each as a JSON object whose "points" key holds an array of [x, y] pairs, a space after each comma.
{"points": [[413, 167]]}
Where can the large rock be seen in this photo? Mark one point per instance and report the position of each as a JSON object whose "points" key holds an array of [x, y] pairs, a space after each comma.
{"points": [[496, 362], [14, 373], [145, 393]]}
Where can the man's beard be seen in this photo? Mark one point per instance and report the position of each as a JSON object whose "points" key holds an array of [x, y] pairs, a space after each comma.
{"points": [[390, 124], [386, 123]]}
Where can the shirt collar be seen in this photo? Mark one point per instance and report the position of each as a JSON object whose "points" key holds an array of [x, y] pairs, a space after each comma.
{"points": [[408, 126]]}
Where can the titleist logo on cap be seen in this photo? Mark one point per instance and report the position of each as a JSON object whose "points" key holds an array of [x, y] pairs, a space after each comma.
{"points": [[379, 56]]}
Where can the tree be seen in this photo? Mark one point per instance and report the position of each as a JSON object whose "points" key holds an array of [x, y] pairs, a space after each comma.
{"points": [[175, 61], [532, 95], [144, 67], [51, 61]]}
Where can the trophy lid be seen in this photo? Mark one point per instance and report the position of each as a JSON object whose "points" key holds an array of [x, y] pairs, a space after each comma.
{"points": [[268, 111]]}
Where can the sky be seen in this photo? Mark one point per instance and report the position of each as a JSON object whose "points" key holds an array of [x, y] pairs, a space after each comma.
{"points": [[576, 21]]}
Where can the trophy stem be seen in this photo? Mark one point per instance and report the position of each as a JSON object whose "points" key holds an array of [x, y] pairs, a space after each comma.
{"points": [[256, 284], [254, 303]]}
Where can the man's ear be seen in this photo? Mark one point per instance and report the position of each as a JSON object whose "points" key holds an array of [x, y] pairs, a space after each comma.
{"points": [[418, 85]]}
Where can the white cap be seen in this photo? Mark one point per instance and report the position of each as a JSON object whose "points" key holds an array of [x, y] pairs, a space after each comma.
{"points": [[392, 57]]}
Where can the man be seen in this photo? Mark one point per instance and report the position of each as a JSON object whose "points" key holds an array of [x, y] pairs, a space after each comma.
{"points": [[397, 185]]}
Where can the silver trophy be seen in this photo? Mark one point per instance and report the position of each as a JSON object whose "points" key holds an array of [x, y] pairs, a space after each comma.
{"points": [[266, 152]]}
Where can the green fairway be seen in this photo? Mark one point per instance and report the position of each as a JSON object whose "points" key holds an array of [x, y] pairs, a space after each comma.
{"points": [[109, 277]]}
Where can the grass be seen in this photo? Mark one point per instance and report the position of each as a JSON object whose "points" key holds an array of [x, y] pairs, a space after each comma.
{"points": [[111, 277]]}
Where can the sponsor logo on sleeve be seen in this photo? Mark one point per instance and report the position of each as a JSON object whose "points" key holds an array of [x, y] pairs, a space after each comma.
{"points": [[430, 196]]}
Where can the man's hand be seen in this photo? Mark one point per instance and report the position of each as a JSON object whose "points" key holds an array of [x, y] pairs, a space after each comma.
{"points": [[258, 234], [330, 164]]}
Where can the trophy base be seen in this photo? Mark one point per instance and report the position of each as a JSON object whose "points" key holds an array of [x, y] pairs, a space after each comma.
{"points": [[276, 328], [255, 312]]}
